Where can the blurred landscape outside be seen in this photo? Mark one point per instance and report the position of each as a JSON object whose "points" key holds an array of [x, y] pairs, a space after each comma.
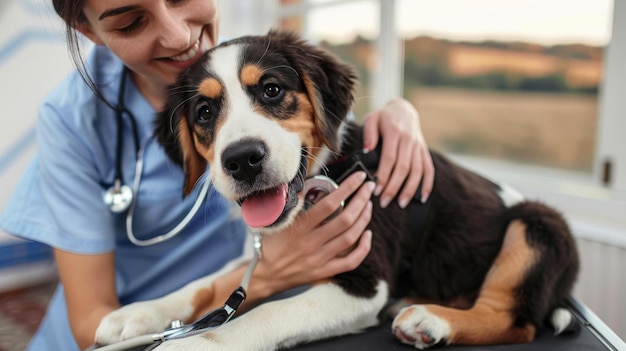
{"points": [[516, 80], [511, 100]]}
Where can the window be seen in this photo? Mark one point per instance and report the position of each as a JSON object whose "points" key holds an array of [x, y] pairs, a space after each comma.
{"points": [[507, 84], [516, 80]]}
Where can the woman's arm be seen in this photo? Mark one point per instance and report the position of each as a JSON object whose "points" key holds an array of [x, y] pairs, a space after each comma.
{"points": [[89, 284]]}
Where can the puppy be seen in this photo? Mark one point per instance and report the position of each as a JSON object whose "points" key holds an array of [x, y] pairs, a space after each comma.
{"points": [[475, 264]]}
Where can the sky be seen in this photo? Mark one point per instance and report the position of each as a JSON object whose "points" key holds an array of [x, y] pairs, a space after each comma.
{"points": [[542, 21]]}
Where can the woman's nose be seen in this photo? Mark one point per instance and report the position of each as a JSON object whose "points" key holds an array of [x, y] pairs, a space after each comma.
{"points": [[175, 32]]}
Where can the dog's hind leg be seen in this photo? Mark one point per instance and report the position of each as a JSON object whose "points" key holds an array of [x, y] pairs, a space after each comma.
{"points": [[490, 320]]}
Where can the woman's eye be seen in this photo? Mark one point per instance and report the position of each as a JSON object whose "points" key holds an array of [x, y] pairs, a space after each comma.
{"points": [[271, 90], [135, 25]]}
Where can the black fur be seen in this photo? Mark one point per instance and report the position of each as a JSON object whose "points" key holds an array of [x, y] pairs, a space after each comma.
{"points": [[466, 219], [463, 235]]}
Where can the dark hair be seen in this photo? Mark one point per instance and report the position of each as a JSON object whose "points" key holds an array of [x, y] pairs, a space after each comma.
{"points": [[71, 12]]}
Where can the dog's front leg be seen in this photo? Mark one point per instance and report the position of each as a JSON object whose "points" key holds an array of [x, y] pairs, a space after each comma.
{"points": [[153, 316], [321, 312]]}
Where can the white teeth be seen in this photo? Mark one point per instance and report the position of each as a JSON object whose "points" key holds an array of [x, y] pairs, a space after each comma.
{"points": [[189, 54]]}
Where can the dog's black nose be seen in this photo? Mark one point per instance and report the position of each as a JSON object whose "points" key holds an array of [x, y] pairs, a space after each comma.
{"points": [[244, 160]]}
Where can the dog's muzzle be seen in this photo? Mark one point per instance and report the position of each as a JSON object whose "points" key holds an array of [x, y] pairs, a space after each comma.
{"points": [[266, 204]]}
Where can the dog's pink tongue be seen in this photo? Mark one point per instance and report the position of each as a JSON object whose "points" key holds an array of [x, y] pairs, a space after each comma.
{"points": [[264, 208]]}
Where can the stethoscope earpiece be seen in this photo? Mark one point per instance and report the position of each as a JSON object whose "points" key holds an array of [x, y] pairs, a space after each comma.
{"points": [[318, 187], [118, 198]]}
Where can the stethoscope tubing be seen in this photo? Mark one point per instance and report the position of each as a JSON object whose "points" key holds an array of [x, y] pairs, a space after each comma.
{"points": [[131, 210], [142, 340], [121, 197]]}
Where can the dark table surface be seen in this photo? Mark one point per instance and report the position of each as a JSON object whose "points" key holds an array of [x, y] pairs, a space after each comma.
{"points": [[593, 335]]}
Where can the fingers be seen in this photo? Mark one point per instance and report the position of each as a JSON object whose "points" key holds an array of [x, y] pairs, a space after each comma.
{"points": [[405, 160], [351, 260], [342, 244], [350, 223], [370, 131], [413, 166], [329, 204], [339, 252], [429, 174], [405, 166]]}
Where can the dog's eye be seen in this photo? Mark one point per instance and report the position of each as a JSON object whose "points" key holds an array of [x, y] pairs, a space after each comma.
{"points": [[272, 90], [204, 112]]}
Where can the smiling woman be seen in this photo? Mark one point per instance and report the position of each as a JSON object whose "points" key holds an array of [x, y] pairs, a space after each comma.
{"points": [[172, 38]]}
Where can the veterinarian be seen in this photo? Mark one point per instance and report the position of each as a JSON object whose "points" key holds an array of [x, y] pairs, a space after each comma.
{"points": [[82, 155]]}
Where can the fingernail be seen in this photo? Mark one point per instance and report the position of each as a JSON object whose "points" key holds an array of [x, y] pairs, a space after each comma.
{"points": [[370, 186], [368, 234], [403, 202], [378, 190], [424, 198], [366, 147], [384, 202], [361, 176], [365, 151]]}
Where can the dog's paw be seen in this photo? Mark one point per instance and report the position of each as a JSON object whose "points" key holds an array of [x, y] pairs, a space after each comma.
{"points": [[130, 321], [416, 326]]}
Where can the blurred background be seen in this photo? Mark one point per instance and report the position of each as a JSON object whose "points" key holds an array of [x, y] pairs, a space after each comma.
{"points": [[527, 91]]}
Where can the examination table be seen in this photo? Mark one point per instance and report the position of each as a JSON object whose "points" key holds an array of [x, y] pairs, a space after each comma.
{"points": [[593, 335]]}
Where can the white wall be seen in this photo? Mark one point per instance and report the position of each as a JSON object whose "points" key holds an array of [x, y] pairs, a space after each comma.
{"points": [[32, 60]]}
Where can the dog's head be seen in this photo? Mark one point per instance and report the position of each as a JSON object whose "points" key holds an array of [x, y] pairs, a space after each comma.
{"points": [[262, 110]]}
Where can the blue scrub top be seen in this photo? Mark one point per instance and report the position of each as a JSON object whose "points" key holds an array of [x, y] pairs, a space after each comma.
{"points": [[59, 200]]}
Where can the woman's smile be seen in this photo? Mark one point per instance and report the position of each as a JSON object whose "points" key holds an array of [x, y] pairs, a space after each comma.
{"points": [[187, 57], [189, 54]]}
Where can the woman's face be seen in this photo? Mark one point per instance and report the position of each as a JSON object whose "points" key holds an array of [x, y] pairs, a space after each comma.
{"points": [[156, 39]]}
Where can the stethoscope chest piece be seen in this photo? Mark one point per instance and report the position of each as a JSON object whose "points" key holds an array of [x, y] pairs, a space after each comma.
{"points": [[118, 198]]}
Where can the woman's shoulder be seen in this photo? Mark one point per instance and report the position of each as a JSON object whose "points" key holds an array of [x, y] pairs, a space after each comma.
{"points": [[73, 98]]}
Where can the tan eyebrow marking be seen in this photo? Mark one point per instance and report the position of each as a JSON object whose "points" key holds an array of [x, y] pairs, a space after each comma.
{"points": [[210, 88], [250, 74]]}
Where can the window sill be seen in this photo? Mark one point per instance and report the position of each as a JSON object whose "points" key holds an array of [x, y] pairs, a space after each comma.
{"points": [[594, 212]]}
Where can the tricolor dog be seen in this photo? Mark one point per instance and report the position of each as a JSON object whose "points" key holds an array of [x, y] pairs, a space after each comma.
{"points": [[475, 264]]}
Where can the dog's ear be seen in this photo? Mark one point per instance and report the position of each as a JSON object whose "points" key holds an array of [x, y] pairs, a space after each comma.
{"points": [[329, 82], [174, 133]]}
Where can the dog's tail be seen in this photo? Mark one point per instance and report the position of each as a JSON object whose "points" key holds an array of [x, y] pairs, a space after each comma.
{"points": [[549, 281], [563, 321]]}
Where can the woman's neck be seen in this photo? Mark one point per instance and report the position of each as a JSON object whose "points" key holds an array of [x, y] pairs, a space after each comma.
{"points": [[153, 92]]}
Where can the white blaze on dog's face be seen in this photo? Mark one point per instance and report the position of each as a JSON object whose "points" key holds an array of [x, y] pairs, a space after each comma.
{"points": [[266, 120], [257, 114]]}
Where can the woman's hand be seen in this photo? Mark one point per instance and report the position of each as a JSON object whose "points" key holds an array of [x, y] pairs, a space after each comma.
{"points": [[404, 158], [309, 250]]}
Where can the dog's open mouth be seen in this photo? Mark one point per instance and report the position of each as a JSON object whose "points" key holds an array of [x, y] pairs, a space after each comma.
{"points": [[270, 206]]}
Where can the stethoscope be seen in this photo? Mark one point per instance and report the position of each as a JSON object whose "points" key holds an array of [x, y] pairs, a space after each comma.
{"points": [[122, 197]]}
